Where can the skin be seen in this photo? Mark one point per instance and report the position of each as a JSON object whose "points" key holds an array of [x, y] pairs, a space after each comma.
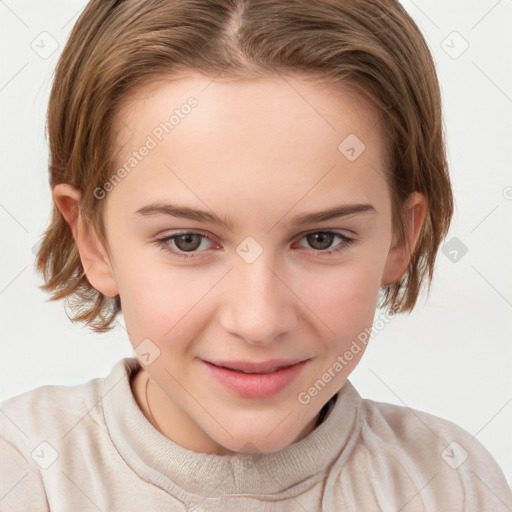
{"points": [[257, 152]]}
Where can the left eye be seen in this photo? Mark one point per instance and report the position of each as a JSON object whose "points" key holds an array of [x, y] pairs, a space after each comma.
{"points": [[187, 244], [322, 240]]}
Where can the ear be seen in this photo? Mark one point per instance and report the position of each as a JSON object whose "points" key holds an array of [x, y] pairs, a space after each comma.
{"points": [[93, 255], [399, 254]]}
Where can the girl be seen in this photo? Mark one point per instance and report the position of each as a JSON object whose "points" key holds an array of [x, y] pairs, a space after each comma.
{"points": [[247, 182]]}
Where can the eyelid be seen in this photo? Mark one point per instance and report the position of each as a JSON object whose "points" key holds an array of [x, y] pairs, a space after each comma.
{"points": [[203, 234], [351, 234], [178, 232]]}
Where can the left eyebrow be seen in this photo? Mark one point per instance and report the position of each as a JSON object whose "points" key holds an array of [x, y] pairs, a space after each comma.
{"points": [[333, 213]]}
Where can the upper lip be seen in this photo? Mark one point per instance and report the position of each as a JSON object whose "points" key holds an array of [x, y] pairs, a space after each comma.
{"points": [[254, 367]]}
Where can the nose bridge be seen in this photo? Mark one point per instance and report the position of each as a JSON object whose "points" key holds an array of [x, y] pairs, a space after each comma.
{"points": [[259, 307]]}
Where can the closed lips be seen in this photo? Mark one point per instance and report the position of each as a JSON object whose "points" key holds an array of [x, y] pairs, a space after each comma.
{"points": [[243, 371], [251, 367]]}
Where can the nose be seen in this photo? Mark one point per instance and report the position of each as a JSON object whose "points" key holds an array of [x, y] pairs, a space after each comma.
{"points": [[258, 305]]}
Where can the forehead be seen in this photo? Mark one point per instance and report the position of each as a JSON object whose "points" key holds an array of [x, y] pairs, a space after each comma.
{"points": [[272, 100], [290, 134]]}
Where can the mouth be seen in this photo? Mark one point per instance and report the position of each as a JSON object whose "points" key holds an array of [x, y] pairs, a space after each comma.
{"points": [[254, 367], [255, 380]]}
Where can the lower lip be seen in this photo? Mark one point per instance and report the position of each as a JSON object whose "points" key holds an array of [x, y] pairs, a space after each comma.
{"points": [[252, 385]]}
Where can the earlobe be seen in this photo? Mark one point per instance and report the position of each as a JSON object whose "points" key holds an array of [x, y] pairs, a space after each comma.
{"points": [[400, 253], [93, 255]]}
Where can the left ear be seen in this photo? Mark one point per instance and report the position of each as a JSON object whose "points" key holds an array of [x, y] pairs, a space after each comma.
{"points": [[400, 254]]}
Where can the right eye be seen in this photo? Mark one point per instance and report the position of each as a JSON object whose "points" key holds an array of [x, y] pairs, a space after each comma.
{"points": [[183, 242]]}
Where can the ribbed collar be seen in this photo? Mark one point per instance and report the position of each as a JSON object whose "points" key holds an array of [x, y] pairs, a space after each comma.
{"points": [[180, 471]]}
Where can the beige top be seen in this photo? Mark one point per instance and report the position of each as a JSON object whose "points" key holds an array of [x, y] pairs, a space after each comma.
{"points": [[90, 447]]}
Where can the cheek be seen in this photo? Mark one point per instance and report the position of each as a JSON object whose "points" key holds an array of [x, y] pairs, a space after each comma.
{"points": [[344, 297], [160, 302]]}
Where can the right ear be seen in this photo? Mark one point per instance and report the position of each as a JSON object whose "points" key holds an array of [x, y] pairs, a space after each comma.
{"points": [[93, 255]]}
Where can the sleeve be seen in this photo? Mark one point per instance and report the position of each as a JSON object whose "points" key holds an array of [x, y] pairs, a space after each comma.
{"points": [[21, 485]]}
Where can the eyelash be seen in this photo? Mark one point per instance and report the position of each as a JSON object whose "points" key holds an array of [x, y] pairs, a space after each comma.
{"points": [[163, 244]]}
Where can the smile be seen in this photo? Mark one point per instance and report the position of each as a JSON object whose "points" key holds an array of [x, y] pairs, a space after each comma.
{"points": [[258, 383]]}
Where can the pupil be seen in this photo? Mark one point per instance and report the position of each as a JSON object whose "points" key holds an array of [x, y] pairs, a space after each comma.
{"points": [[188, 240], [325, 240]]}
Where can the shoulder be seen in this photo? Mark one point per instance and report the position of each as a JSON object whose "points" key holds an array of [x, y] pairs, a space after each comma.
{"points": [[40, 426], [434, 439], [57, 410], [50, 408], [438, 454]]}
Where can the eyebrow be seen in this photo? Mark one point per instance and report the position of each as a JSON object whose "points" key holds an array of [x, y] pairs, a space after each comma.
{"points": [[174, 210]]}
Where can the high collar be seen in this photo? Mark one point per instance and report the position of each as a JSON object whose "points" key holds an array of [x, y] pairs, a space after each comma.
{"points": [[180, 471]]}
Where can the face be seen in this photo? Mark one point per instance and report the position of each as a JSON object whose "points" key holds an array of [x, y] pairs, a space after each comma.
{"points": [[255, 277]]}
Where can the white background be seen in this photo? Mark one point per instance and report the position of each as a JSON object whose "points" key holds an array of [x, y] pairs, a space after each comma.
{"points": [[451, 357]]}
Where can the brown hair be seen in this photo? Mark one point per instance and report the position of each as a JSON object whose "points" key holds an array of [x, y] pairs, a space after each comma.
{"points": [[116, 46]]}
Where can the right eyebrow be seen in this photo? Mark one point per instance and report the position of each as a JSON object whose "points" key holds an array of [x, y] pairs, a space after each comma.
{"points": [[157, 208]]}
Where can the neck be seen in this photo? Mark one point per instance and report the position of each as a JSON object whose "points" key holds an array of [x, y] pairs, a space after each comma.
{"points": [[147, 392]]}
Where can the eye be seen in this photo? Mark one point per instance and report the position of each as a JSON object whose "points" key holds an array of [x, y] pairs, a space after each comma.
{"points": [[194, 243], [184, 242], [320, 241]]}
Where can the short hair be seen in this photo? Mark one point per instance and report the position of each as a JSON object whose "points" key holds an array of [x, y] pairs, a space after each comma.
{"points": [[372, 47]]}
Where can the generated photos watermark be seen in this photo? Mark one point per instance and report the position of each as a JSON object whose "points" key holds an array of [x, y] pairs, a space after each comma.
{"points": [[152, 140], [342, 360]]}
